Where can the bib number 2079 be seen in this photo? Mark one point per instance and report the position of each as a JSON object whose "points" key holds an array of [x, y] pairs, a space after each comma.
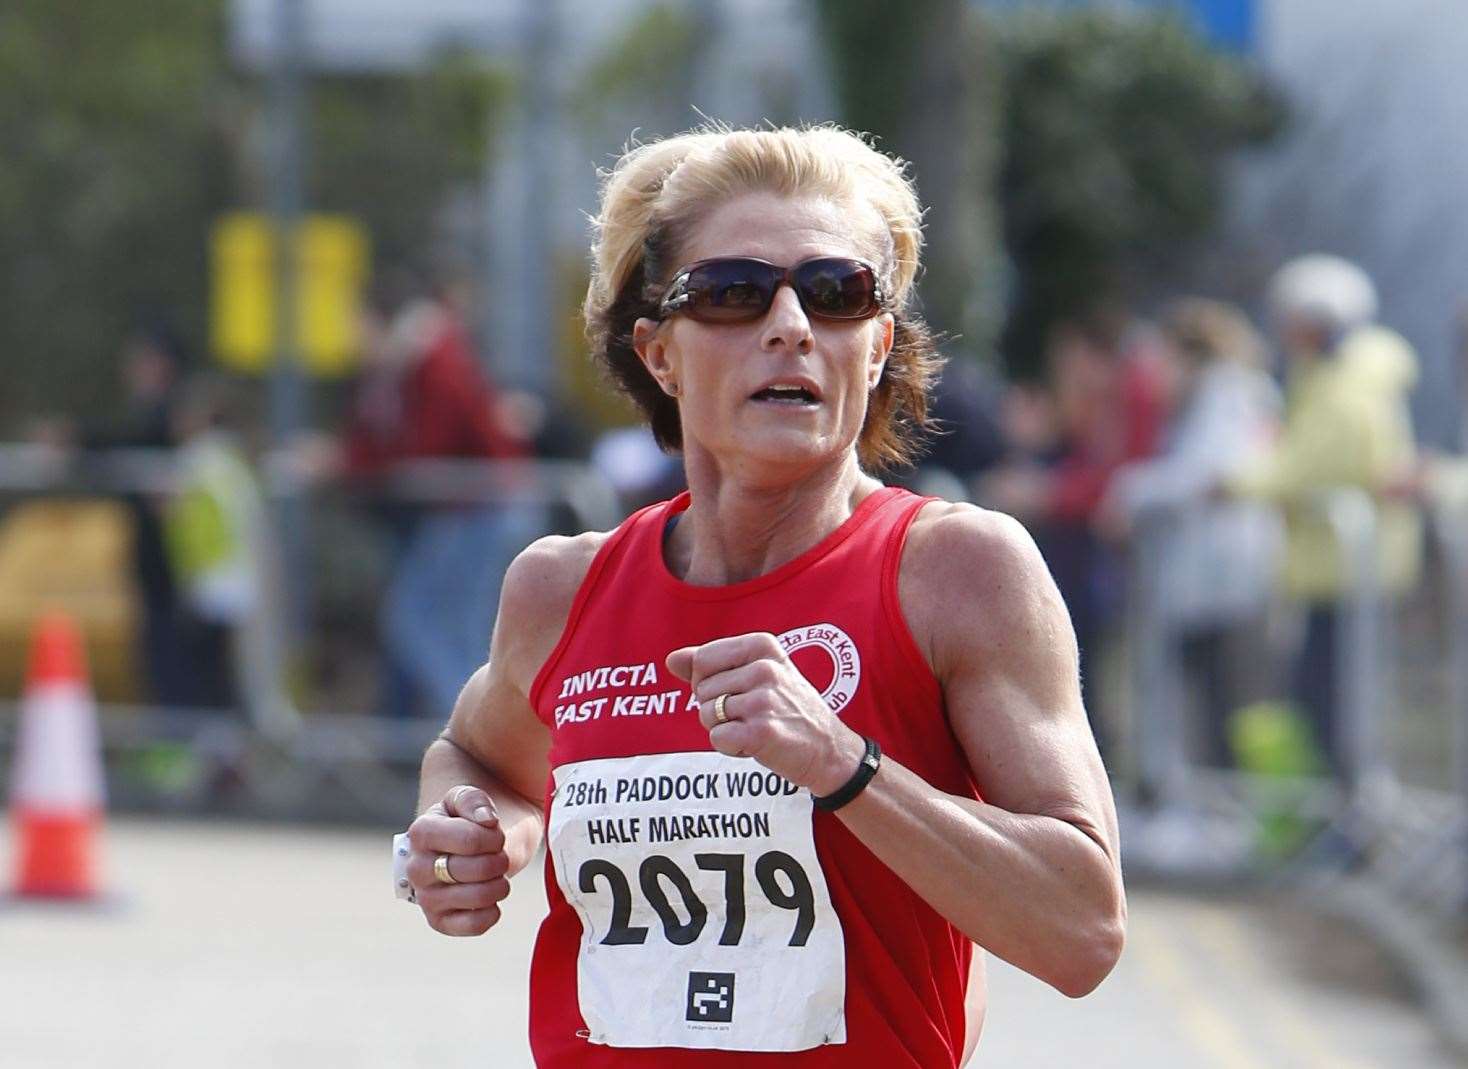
{"points": [[658, 873]]}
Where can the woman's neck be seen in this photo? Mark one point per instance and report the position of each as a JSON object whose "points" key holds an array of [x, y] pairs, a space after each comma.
{"points": [[737, 529]]}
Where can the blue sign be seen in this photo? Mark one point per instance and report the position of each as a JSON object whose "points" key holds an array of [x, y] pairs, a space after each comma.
{"points": [[1226, 22]]}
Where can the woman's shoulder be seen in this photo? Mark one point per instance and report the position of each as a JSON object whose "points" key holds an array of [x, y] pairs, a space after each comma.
{"points": [[558, 560], [968, 574], [954, 544], [540, 586], [961, 524]]}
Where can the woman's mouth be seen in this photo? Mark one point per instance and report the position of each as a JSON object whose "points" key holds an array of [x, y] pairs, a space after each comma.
{"points": [[798, 396]]}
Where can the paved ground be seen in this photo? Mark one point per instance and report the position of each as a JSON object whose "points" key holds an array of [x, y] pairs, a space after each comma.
{"points": [[247, 946]]}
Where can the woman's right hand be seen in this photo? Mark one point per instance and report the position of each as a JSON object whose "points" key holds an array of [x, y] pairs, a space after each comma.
{"points": [[465, 828]]}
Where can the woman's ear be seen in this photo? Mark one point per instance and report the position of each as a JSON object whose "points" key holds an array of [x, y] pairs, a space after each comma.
{"points": [[651, 347], [886, 337]]}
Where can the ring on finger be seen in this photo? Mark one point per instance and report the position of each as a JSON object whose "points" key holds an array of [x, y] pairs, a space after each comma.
{"points": [[441, 869], [720, 715]]}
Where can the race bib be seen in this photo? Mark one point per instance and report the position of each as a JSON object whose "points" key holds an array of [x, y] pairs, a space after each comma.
{"points": [[706, 921]]}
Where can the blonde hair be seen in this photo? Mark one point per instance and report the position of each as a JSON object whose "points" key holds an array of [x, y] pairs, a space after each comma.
{"points": [[1206, 331], [658, 193]]}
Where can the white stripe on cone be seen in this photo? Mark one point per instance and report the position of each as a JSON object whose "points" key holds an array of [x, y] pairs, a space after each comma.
{"points": [[58, 756]]}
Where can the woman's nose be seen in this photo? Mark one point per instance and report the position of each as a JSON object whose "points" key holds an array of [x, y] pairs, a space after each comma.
{"points": [[786, 324]]}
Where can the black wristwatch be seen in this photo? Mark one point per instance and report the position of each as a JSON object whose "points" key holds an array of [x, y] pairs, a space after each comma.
{"points": [[870, 762]]}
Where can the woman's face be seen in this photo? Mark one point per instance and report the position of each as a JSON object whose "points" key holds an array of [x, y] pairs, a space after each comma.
{"points": [[1302, 338], [723, 372], [1083, 378]]}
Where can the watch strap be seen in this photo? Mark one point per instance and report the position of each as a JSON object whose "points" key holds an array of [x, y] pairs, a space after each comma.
{"points": [[871, 760]]}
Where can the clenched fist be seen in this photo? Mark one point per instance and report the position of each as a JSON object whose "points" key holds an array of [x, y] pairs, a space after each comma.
{"points": [[464, 829], [772, 712]]}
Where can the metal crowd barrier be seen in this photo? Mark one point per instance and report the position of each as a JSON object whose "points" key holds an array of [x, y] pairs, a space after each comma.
{"points": [[1157, 728], [1166, 777], [1221, 810], [1450, 525], [1411, 835], [1361, 662]]}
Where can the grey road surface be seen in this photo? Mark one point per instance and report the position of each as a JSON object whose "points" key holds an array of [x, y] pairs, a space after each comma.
{"points": [[225, 946]]}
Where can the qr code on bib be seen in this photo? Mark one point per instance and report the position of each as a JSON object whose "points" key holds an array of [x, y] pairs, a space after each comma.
{"points": [[711, 997]]}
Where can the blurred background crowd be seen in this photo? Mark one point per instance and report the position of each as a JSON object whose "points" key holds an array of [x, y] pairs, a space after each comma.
{"points": [[1198, 267]]}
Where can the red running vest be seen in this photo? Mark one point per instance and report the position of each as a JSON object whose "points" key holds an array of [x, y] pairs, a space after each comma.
{"points": [[701, 911]]}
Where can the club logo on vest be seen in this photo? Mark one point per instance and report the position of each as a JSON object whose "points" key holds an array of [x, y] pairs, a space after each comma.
{"points": [[710, 997], [845, 659]]}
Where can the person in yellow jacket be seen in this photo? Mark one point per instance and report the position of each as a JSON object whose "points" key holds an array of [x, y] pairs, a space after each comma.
{"points": [[1347, 427], [214, 526]]}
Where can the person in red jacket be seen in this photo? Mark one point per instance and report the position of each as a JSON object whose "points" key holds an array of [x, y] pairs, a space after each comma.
{"points": [[796, 742], [423, 397], [424, 394]]}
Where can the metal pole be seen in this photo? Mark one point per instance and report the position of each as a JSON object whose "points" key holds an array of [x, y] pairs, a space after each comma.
{"points": [[524, 353], [1157, 731], [1359, 664], [287, 385]]}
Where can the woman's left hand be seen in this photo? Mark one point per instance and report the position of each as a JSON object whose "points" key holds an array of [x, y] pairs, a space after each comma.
{"points": [[773, 714]]}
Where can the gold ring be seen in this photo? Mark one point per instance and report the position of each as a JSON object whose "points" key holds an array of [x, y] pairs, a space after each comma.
{"points": [[441, 869], [720, 716]]}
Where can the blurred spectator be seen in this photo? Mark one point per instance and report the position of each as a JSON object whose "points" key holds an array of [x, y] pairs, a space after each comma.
{"points": [[1212, 560], [1109, 389], [1347, 425], [967, 407], [214, 527], [1106, 386], [636, 468], [1030, 424], [152, 362], [151, 359], [423, 393], [424, 396]]}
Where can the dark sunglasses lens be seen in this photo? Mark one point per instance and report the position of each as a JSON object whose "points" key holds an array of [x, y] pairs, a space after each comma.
{"points": [[730, 290], [837, 289]]}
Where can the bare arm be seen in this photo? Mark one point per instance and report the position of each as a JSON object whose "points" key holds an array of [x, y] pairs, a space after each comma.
{"points": [[1032, 873], [509, 742], [483, 779]]}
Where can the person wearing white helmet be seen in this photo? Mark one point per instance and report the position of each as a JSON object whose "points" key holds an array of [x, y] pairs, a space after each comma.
{"points": [[1317, 300], [1347, 425]]}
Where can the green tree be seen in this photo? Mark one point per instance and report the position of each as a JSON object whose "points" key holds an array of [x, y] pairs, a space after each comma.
{"points": [[386, 149], [114, 159], [650, 65], [124, 132], [1116, 130]]}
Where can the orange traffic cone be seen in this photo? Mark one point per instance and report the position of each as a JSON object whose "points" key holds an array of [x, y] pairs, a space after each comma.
{"points": [[57, 791]]}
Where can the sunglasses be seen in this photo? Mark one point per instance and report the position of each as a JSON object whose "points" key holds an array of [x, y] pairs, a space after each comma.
{"points": [[740, 289]]}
